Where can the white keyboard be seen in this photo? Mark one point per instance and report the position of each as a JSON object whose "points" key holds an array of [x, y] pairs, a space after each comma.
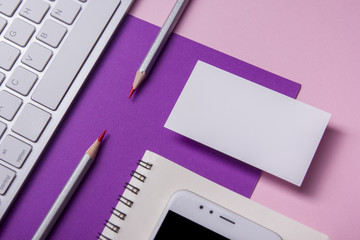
{"points": [[47, 49]]}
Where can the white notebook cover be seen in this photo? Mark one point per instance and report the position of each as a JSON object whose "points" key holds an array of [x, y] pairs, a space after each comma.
{"points": [[249, 122], [164, 179]]}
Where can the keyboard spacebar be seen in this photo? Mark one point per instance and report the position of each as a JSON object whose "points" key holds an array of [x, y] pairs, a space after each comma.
{"points": [[68, 61]]}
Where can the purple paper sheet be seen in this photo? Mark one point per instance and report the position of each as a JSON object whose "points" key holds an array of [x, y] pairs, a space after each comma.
{"points": [[133, 126]]}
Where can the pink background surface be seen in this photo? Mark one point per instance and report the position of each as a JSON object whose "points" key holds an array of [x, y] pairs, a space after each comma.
{"points": [[317, 44]]}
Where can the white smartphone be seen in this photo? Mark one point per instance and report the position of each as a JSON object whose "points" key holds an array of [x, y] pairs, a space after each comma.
{"points": [[188, 216]]}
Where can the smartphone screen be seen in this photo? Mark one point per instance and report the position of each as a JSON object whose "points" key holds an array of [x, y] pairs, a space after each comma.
{"points": [[175, 225]]}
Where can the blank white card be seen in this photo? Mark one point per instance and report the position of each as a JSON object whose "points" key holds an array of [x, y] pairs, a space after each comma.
{"points": [[249, 122]]}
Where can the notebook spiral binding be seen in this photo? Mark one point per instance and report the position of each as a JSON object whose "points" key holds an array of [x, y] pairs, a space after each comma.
{"points": [[128, 203]]}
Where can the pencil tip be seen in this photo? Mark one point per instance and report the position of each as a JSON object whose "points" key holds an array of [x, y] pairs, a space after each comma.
{"points": [[131, 92], [101, 136]]}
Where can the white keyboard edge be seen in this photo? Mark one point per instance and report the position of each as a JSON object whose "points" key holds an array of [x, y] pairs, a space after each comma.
{"points": [[57, 117]]}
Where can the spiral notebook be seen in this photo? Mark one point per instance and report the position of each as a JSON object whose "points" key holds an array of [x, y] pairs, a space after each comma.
{"points": [[156, 179]]}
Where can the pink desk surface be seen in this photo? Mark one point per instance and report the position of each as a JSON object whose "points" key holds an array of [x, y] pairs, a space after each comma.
{"points": [[317, 44]]}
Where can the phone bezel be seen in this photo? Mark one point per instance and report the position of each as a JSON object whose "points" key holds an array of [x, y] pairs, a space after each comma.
{"points": [[214, 217]]}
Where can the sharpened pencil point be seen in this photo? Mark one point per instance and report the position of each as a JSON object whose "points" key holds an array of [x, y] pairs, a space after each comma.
{"points": [[101, 136], [131, 92]]}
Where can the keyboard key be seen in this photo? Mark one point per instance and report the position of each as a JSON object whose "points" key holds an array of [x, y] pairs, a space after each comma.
{"points": [[14, 151], [51, 33], [37, 57], [8, 7], [55, 83], [22, 80], [66, 11], [6, 178], [31, 122], [34, 10], [20, 32], [9, 105], [2, 77], [3, 23], [2, 128], [8, 56]]}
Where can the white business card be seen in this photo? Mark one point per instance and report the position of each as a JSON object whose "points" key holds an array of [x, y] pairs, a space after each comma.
{"points": [[249, 122]]}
